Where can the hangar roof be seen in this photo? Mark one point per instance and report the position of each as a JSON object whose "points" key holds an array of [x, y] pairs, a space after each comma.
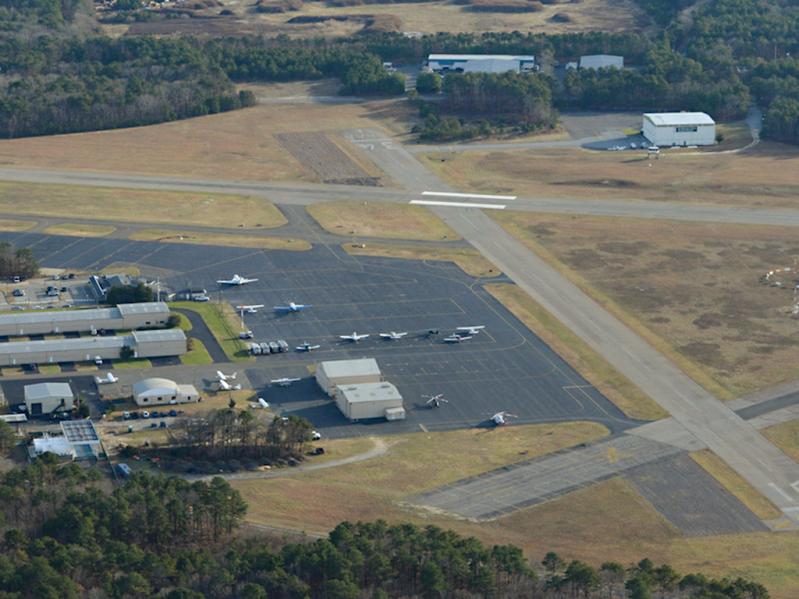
{"points": [[343, 368], [45, 390], [676, 119], [364, 392]]}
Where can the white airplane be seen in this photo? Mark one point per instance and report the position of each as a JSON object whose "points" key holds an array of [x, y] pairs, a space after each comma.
{"points": [[107, 379], [355, 337], [263, 403], [236, 280], [249, 309], [221, 376], [457, 338], [501, 418], [292, 307], [284, 382], [225, 386], [392, 336], [307, 347], [471, 330], [435, 401]]}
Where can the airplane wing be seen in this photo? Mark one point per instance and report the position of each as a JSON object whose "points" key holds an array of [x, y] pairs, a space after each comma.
{"points": [[220, 375], [223, 384]]}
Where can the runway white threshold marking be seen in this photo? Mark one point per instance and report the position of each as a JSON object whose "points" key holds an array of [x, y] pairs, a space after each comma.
{"points": [[476, 196], [780, 491], [459, 204]]}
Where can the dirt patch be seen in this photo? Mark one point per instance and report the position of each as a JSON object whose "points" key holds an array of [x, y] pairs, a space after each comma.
{"points": [[317, 153]]}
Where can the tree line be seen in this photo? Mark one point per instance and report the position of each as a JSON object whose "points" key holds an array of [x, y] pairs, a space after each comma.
{"points": [[17, 262]]}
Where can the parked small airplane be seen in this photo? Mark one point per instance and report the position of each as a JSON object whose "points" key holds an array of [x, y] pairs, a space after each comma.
{"points": [[501, 418], [457, 338], [221, 376], [236, 280], [263, 403], [470, 330], [435, 401], [284, 382], [355, 337], [292, 307], [249, 309], [392, 336], [307, 347], [225, 386], [107, 379]]}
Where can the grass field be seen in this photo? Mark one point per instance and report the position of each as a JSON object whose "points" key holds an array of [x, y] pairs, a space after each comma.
{"points": [[197, 355], [137, 206], [469, 260], [49, 369], [763, 176], [591, 366], [732, 481], [690, 289], [16, 225], [223, 324], [133, 363], [80, 230], [392, 221], [222, 239], [241, 144], [786, 437]]}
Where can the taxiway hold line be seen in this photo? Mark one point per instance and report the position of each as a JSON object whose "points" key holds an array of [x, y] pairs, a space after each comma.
{"points": [[476, 196], [459, 204]]}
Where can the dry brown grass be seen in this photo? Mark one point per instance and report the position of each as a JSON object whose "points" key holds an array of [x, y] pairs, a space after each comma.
{"points": [[16, 225], [243, 241], [691, 289], [138, 206], [785, 436], [468, 260], [591, 366], [80, 230], [390, 221], [233, 145], [759, 505], [764, 176]]}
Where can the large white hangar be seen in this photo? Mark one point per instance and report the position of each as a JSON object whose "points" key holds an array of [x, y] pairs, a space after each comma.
{"points": [[143, 344], [667, 129], [370, 400], [334, 373], [480, 63], [53, 322]]}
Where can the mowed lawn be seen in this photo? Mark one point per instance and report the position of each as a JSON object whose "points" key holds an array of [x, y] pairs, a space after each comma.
{"points": [[692, 290], [222, 239], [764, 176], [137, 206]]}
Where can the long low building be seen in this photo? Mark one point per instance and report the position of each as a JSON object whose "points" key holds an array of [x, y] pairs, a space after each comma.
{"points": [[666, 129], [157, 391], [53, 322], [370, 400], [480, 63], [143, 344]]}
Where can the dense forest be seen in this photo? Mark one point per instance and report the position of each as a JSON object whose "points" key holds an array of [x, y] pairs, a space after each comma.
{"points": [[17, 262], [66, 536]]}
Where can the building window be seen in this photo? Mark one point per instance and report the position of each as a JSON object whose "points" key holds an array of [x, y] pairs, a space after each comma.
{"points": [[687, 129], [145, 399]]}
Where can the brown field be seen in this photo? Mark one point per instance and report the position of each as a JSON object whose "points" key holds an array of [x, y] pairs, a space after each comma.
{"points": [[690, 289], [234, 145], [242, 241], [390, 221], [429, 17], [607, 521], [762, 176], [137, 206], [16, 225], [786, 437], [468, 260], [80, 230], [591, 366]]}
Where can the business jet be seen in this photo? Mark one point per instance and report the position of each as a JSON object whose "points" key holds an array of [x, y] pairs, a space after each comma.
{"points": [[457, 338], [225, 386], [307, 347], [292, 307], [392, 336], [435, 401], [355, 337], [107, 379], [284, 382], [470, 330], [501, 418], [250, 309], [221, 376], [236, 280]]}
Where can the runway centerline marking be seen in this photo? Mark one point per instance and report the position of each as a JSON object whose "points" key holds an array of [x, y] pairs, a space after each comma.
{"points": [[458, 204], [476, 196]]}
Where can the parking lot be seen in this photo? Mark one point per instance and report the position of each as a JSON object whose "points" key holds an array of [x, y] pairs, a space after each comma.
{"points": [[504, 368]]}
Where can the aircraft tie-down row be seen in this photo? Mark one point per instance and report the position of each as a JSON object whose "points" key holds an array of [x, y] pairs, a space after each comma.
{"points": [[253, 308], [460, 334]]}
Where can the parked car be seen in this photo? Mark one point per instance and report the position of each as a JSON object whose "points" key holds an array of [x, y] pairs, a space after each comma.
{"points": [[274, 347], [265, 348], [284, 347], [126, 415], [145, 414], [315, 435]]}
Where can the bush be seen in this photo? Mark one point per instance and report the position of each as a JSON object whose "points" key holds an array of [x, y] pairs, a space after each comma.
{"points": [[428, 83]]}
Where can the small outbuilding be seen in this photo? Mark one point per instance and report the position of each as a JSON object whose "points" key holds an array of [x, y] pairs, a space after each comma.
{"points": [[335, 373], [370, 400], [667, 129], [79, 441], [42, 399], [601, 61], [157, 391]]}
